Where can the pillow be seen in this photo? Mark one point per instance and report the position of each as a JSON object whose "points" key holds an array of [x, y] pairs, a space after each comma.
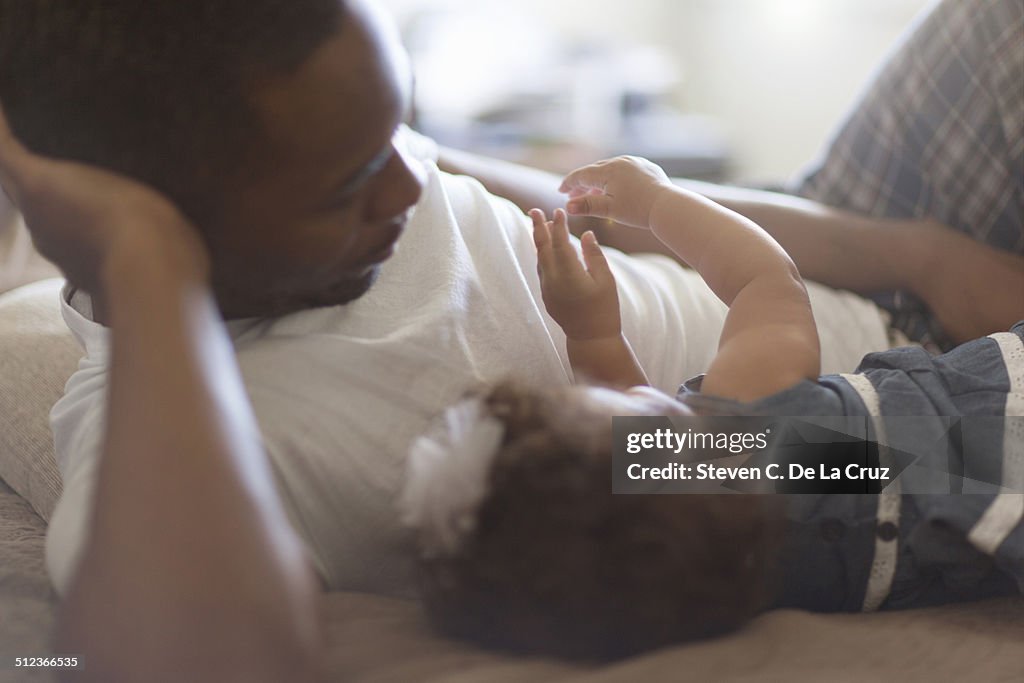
{"points": [[20, 263], [37, 356]]}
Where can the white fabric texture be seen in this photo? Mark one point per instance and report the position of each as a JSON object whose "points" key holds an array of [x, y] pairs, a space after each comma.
{"points": [[37, 355], [341, 393]]}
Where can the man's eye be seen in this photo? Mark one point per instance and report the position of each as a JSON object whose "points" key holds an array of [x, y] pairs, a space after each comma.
{"points": [[342, 203], [345, 197]]}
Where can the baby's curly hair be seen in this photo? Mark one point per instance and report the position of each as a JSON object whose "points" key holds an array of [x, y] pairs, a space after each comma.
{"points": [[555, 564]]}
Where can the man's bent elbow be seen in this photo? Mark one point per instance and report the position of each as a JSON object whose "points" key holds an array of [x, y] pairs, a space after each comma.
{"points": [[250, 647]]}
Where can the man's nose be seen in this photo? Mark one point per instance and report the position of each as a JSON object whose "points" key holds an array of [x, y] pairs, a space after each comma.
{"points": [[401, 185]]}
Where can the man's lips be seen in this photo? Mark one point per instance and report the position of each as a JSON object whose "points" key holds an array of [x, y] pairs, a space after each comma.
{"points": [[387, 249]]}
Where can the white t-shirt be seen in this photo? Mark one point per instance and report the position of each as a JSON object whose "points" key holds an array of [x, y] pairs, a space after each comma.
{"points": [[341, 392]]}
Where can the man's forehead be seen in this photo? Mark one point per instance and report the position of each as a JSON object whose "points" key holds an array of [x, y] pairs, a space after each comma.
{"points": [[341, 104]]}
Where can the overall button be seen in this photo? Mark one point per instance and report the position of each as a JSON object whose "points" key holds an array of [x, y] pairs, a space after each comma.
{"points": [[887, 531]]}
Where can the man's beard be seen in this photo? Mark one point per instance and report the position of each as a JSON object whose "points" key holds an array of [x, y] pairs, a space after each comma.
{"points": [[277, 304], [339, 295]]}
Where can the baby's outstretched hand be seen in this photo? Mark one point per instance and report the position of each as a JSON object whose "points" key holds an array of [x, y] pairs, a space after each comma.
{"points": [[623, 189], [584, 302]]}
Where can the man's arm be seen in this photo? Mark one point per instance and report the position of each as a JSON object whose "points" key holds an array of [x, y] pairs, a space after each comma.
{"points": [[972, 289], [191, 570], [830, 246]]}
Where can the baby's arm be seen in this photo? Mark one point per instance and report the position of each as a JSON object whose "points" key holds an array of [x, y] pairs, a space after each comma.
{"points": [[769, 341], [584, 303]]}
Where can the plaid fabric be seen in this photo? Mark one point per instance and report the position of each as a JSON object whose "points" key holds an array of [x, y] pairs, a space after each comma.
{"points": [[938, 133]]}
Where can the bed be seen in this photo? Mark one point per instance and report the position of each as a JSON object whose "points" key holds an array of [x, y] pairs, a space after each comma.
{"points": [[380, 639]]}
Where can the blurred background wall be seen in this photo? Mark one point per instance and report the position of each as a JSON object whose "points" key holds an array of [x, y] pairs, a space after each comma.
{"points": [[743, 90]]}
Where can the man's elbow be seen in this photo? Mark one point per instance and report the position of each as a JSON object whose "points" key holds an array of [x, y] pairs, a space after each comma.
{"points": [[248, 647]]}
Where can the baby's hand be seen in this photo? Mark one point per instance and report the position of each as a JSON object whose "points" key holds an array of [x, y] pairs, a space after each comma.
{"points": [[623, 189], [584, 303]]}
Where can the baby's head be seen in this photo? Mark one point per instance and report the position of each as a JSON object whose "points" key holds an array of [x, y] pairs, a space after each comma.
{"points": [[524, 547]]}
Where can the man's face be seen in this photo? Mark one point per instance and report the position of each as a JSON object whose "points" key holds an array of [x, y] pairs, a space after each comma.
{"points": [[313, 227]]}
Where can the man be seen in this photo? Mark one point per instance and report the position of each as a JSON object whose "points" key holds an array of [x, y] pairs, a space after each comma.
{"points": [[299, 203], [296, 204]]}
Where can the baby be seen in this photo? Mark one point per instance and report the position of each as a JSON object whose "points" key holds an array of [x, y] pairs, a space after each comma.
{"points": [[523, 545]]}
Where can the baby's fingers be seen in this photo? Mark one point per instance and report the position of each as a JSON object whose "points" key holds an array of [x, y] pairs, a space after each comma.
{"points": [[587, 188], [581, 191], [564, 254], [597, 205], [542, 240], [586, 179], [541, 235], [597, 264]]}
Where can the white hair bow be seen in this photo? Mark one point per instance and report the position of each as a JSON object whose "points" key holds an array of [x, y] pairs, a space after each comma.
{"points": [[447, 476]]}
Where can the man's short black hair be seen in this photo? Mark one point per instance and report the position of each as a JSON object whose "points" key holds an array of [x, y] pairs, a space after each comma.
{"points": [[158, 90]]}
